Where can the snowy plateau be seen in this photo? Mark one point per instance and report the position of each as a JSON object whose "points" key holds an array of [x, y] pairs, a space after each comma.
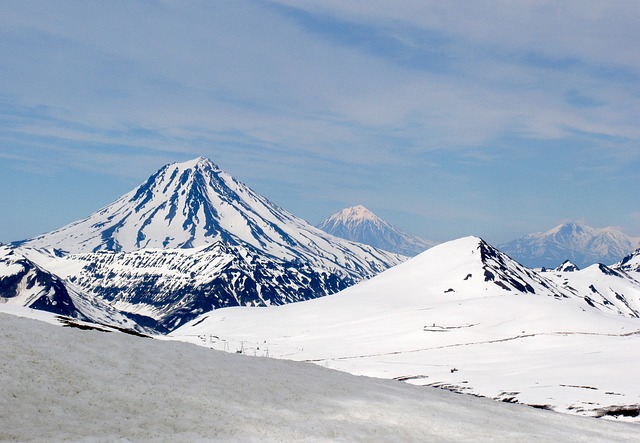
{"points": [[194, 257], [465, 317]]}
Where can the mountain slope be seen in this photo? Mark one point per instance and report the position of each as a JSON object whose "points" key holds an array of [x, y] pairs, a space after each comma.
{"points": [[631, 263], [96, 386], [577, 242], [359, 224], [603, 287], [24, 283], [191, 239], [195, 203], [172, 286], [462, 316]]}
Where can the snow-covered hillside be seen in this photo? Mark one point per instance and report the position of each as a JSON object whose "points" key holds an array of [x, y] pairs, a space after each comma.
{"points": [[462, 316], [24, 283], [631, 263], [604, 287], [167, 287], [359, 224], [191, 239], [577, 242], [76, 385]]}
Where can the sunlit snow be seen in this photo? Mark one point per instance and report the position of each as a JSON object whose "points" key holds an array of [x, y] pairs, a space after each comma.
{"points": [[70, 384]]}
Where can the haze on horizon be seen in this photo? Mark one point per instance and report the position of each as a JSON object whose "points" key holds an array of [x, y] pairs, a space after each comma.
{"points": [[490, 118]]}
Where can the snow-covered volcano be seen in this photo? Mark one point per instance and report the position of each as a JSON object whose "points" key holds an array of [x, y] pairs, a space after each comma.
{"points": [[359, 224], [194, 203], [575, 241], [461, 316], [191, 239]]}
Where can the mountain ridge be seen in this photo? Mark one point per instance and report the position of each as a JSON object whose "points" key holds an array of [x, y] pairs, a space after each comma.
{"points": [[583, 245]]}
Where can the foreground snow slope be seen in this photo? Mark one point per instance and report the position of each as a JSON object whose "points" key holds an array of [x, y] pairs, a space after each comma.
{"points": [[68, 384], [461, 316]]}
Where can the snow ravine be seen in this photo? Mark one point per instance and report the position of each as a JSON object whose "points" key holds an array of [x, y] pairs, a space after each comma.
{"points": [[69, 384]]}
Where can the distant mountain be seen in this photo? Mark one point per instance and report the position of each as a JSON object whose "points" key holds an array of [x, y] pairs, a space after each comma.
{"points": [[359, 224], [191, 238], [577, 242], [567, 266]]}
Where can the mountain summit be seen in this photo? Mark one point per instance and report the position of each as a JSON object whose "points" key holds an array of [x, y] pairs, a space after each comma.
{"points": [[182, 205], [195, 203], [192, 238], [359, 224], [575, 241]]}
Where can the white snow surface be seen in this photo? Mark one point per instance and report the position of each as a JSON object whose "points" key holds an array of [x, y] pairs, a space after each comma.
{"points": [[439, 320], [608, 289], [66, 384]]}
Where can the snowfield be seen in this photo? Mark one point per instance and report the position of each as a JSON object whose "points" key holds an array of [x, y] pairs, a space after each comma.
{"points": [[71, 384], [454, 317]]}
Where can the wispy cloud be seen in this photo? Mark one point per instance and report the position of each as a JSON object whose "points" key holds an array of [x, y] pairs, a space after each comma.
{"points": [[328, 100]]}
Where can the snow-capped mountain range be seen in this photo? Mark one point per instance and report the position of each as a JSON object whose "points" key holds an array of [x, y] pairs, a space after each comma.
{"points": [[192, 238], [581, 244], [465, 317], [609, 289], [359, 224], [191, 252]]}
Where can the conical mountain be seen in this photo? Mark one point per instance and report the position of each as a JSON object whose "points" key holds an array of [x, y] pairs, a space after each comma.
{"points": [[191, 238], [581, 244], [359, 224], [195, 203]]}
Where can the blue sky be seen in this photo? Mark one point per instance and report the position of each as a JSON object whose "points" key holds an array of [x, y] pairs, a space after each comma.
{"points": [[492, 118]]}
